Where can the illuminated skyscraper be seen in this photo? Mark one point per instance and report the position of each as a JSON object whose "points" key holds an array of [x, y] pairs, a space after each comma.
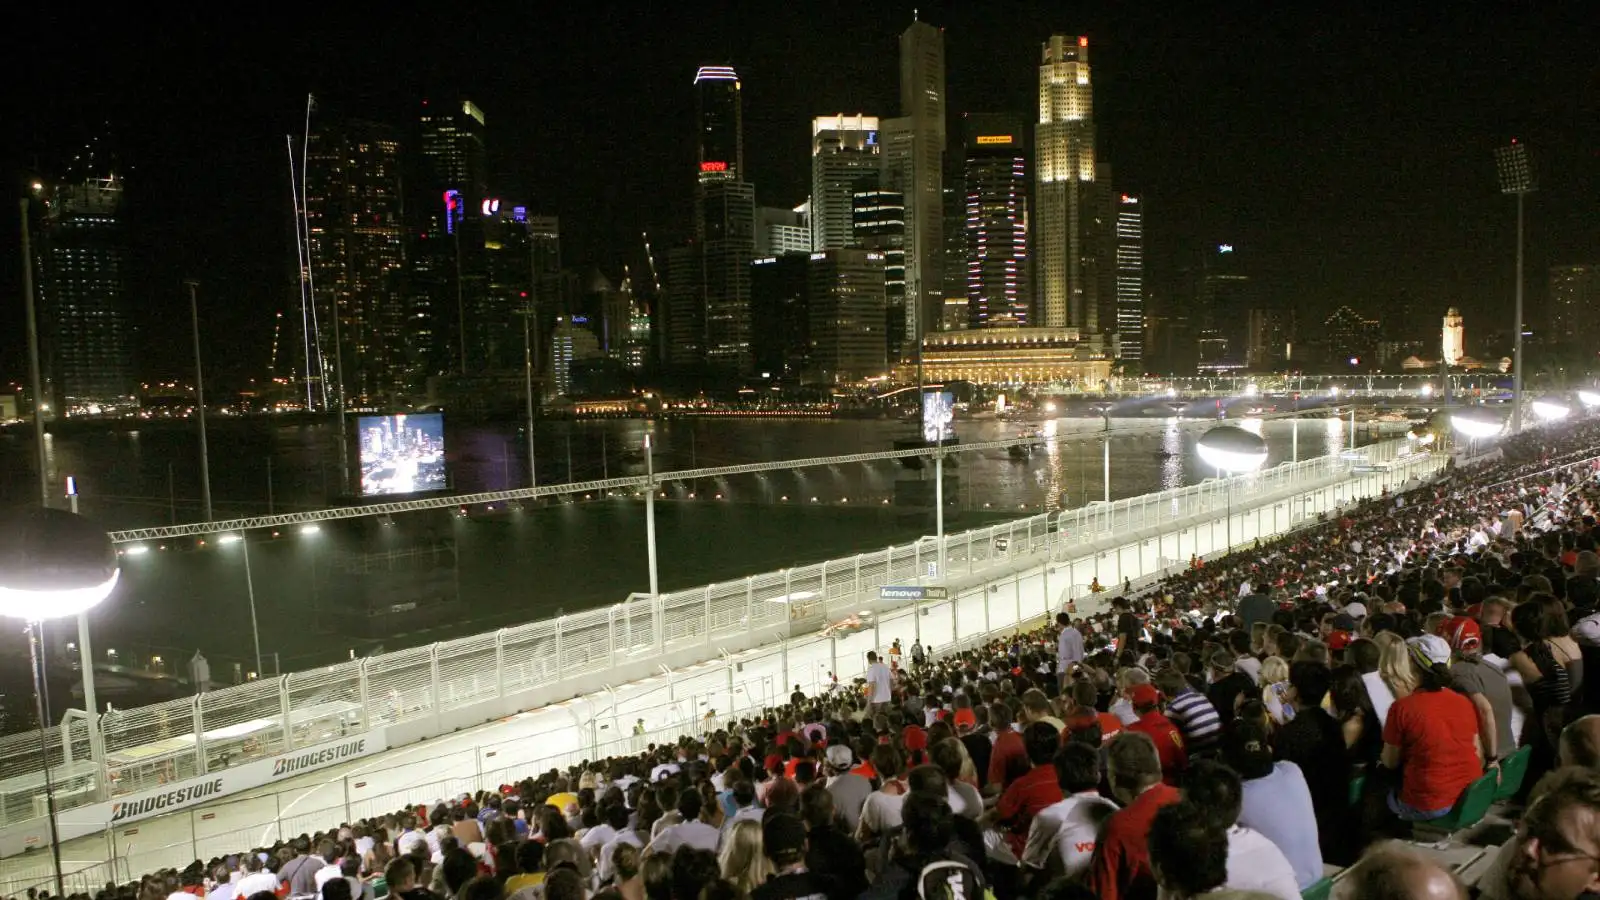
{"points": [[1064, 163], [1574, 297], [725, 221], [845, 312], [996, 222], [449, 270], [82, 256], [913, 165], [355, 213], [844, 154], [1130, 281], [880, 226]]}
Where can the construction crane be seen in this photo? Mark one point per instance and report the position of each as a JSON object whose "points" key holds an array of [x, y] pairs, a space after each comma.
{"points": [[650, 257]]}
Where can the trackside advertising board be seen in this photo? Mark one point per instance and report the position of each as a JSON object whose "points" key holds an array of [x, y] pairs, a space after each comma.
{"points": [[181, 795]]}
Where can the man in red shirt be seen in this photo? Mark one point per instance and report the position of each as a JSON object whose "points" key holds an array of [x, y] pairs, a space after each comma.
{"points": [[1009, 755], [1082, 717], [1121, 866], [1168, 739], [1032, 792]]}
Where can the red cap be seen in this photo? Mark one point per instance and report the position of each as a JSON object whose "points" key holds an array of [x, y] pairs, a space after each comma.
{"points": [[1339, 640], [914, 738], [774, 763], [1463, 633], [966, 718], [1144, 695]]}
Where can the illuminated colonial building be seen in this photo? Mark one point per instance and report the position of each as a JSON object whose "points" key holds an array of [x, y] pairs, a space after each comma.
{"points": [[1011, 356]]}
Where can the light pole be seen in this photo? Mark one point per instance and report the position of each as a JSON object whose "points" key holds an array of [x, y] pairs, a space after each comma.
{"points": [[35, 380], [650, 515], [250, 591], [527, 313], [1516, 177], [53, 564], [200, 399], [1104, 409], [1232, 450]]}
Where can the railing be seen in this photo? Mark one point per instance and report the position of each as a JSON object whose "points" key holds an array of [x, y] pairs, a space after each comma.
{"points": [[1136, 538]]}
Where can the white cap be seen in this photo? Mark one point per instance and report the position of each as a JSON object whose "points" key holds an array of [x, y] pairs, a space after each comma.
{"points": [[1430, 649], [1356, 611]]}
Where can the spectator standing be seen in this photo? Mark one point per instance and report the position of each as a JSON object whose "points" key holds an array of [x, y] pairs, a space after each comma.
{"points": [[1069, 649], [880, 685]]}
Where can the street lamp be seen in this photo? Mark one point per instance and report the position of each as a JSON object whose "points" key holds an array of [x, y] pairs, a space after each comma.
{"points": [[250, 591], [1516, 177], [53, 564], [1231, 449]]}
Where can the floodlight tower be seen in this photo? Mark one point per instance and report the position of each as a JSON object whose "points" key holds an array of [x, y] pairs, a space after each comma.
{"points": [[1516, 177]]}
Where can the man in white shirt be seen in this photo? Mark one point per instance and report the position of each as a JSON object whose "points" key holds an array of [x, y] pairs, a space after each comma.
{"points": [[880, 685], [1254, 862], [691, 832], [596, 838], [1061, 840], [256, 879]]}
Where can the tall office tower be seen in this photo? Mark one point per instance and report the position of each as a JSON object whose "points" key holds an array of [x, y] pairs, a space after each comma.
{"points": [[1130, 282], [780, 231], [996, 221], [844, 153], [1574, 297], [355, 213], [845, 310], [780, 323], [446, 189], [81, 254], [1270, 340], [683, 325], [494, 324], [570, 345], [1453, 338], [913, 165], [1223, 302], [880, 225], [725, 225], [1064, 164]]}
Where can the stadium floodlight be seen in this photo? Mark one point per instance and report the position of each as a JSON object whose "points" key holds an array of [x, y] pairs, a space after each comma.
{"points": [[1550, 411], [1516, 177], [1232, 449], [1477, 423], [1589, 398], [54, 564]]}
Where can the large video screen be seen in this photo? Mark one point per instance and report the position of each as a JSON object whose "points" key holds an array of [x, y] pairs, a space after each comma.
{"points": [[401, 454], [938, 416]]}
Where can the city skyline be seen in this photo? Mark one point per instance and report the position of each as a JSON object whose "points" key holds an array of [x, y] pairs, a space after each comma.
{"points": [[1341, 196]]}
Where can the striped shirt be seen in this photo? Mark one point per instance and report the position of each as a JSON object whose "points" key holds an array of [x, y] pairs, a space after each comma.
{"points": [[1196, 718]]}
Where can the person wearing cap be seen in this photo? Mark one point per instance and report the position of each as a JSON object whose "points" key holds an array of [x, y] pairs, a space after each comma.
{"points": [[1431, 737], [1168, 739], [849, 789], [1276, 800], [1343, 631], [1485, 685]]}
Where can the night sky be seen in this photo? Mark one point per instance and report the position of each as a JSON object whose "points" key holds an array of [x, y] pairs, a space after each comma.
{"points": [[1350, 157]]}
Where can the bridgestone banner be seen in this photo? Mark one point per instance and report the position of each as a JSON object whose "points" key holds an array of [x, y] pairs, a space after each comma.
{"points": [[196, 791]]}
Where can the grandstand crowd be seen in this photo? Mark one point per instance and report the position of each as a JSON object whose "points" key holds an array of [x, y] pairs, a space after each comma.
{"points": [[1340, 698]]}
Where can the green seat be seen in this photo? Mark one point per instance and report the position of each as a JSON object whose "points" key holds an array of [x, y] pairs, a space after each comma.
{"points": [[1512, 771], [1470, 809], [1358, 787], [1322, 890]]}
